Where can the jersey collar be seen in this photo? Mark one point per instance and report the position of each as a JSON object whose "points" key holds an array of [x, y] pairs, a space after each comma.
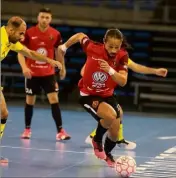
{"points": [[42, 31]]}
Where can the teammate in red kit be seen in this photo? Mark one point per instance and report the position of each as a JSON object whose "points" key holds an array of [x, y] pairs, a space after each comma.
{"points": [[106, 67], [45, 40]]}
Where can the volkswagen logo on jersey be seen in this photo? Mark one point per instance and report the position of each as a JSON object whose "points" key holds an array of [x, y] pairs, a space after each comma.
{"points": [[42, 51], [100, 77]]}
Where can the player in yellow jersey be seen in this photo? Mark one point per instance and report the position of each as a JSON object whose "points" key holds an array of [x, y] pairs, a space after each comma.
{"points": [[11, 34], [139, 69]]}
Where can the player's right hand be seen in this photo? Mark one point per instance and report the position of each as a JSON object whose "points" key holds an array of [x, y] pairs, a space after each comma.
{"points": [[27, 73], [61, 51], [161, 72], [55, 64]]}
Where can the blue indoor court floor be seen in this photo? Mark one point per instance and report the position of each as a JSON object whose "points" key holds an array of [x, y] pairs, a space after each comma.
{"points": [[42, 156]]}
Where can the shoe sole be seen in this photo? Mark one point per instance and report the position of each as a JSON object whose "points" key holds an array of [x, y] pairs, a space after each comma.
{"points": [[133, 146]]}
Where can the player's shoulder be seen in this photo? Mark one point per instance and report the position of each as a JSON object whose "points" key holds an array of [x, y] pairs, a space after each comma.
{"points": [[2, 28], [122, 52], [96, 44], [54, 30], [3, 31], [31, 30], [95, 47]]}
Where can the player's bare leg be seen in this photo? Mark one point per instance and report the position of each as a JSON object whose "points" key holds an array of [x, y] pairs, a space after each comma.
{"points": [[30, 102], [4, 115], [108, 115], [56, 113]]}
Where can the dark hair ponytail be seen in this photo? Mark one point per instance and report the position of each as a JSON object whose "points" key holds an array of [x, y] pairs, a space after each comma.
{"points": [[125, 44]]}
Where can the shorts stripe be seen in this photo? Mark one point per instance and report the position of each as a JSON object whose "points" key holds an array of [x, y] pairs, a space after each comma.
{"points": [[90, 108]]}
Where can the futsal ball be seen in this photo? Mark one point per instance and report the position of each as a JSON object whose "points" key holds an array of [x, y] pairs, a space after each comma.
{"points": [[125, 166]]}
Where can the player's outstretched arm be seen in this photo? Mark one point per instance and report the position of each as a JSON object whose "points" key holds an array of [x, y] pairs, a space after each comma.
{"points": [[38, 57], [60, 58], [78, 37], [21, 60], [146, 70]]}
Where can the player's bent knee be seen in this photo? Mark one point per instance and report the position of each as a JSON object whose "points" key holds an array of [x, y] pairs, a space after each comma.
{"points": [[30, 99], [107, 113], [53, 97]]}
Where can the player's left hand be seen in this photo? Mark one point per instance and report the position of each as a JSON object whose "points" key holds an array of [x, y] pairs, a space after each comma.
{"points": [[104, 65], [55, 64], [62, 73], [161, 72]]}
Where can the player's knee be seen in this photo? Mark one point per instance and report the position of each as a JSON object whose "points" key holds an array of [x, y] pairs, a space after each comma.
{"points": [[53, 98], [107, 112], [111, 118], [30, 99], [4, 113]]}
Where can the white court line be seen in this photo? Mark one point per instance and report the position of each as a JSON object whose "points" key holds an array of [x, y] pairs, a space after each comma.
{"points": [[68, 167], [43, 149], [161, 166], [64, 151]]}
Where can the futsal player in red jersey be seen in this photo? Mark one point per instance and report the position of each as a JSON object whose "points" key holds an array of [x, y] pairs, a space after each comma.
{"points": [[105, 69], [45, 40]]}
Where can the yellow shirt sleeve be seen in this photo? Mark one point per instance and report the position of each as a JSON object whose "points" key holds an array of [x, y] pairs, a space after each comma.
{"points": [[129, 61], [17, 47]]}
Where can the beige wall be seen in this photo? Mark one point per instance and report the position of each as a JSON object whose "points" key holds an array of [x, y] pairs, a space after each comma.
{"points": [[68, 12], [85, 16]]}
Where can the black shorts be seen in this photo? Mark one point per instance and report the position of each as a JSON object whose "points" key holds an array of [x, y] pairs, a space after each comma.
{"points": [[34, 85], [91, 103]]}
